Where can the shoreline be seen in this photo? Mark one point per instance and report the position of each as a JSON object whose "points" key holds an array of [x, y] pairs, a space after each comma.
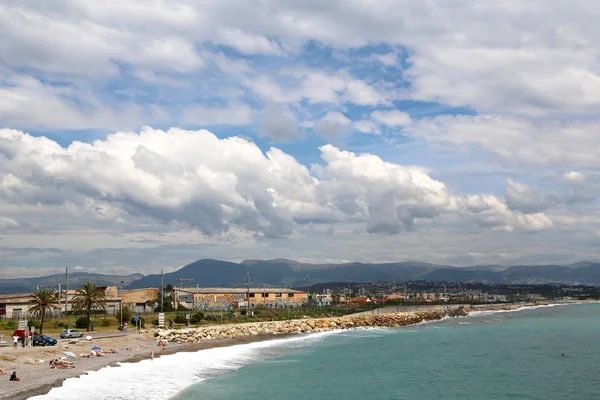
{"points": [[30, 388]]}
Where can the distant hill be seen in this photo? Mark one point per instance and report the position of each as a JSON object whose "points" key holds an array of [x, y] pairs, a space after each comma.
{"points": [[76, 279], [283, 272]]}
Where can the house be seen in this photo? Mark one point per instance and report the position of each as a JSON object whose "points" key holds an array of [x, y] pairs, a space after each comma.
{"points": [[140, 300]]}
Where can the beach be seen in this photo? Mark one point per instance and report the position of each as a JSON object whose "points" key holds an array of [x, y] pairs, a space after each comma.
{"points": [[38, 378]]}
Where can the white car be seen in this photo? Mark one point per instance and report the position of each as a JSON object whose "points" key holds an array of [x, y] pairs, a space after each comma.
{"points": [[70, 333]]}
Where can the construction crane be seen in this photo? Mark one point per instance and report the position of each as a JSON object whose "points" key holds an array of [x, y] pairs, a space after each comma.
{"points": [[184, 279]]}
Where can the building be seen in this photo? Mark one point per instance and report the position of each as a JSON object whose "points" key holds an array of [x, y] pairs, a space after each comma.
{"points": [[215, 299], [15, 306], [140, 300], [322, 300]]}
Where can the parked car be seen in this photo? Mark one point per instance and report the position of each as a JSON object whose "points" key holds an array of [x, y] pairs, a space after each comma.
{"points": [[70, 333], [37, 340], [42, 340]]}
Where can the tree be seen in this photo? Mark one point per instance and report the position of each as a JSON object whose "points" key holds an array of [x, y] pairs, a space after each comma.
{"points": [[42, 302], [87, 297]]}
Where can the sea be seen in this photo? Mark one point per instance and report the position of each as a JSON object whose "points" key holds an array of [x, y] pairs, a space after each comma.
{"points": [[486, 355]]}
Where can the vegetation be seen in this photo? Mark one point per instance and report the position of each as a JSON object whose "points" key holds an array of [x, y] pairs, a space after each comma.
{"points": [[42, 303], [127, 314], [82, 322], [197, 317], [180, 319], [87, 297], [142, 322]]}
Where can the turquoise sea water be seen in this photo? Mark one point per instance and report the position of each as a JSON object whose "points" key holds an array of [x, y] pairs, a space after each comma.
{"points": [[508, 355]]}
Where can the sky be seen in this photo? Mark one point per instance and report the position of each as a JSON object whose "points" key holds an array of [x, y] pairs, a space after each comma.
{"points": [[140, 136]]}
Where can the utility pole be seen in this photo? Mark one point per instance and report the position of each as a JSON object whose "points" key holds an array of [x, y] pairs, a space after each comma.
{"points": [[59, 299], [396, 296], [67, 296], [348, 289], [121, 297], [162, 291], [307, 284], [248, 290], [405, 293], [445, 293]]}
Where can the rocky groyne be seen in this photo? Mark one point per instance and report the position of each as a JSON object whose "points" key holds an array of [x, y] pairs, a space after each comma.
{"points": [[390, 320]]}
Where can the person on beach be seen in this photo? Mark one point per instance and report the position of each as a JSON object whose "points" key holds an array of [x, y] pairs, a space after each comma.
{"points": [[15, 342], [13, 376], [152, 354]]}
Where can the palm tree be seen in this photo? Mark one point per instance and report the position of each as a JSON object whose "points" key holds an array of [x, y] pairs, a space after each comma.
{"points": [[42, 302], [87, 297]]}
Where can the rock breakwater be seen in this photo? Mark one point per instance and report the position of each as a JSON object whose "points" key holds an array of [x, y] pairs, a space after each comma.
{"points": [[391, 320]]}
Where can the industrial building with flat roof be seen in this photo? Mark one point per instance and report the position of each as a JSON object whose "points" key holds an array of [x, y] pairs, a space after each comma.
{"points": [[239, 298]]}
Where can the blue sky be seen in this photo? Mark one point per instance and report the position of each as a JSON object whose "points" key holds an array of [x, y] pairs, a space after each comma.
{"points": [[387, 131]]}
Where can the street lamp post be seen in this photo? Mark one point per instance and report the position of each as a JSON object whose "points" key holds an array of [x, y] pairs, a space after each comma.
{"points": [[121, 306]]}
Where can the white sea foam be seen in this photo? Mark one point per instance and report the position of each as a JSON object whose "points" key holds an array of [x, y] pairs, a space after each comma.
{"points": [[524, 308], [165, 376]]}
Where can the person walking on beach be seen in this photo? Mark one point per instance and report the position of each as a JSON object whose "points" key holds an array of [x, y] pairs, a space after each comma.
{"points": [[152, 354], [15, 342]]}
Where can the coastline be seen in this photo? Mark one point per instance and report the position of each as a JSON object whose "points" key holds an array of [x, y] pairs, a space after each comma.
{"points": [[41, 385], [36, 384]]}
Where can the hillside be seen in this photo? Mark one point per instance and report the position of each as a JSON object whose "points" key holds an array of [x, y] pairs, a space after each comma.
{"points": [[282, 272], [76, 279]]}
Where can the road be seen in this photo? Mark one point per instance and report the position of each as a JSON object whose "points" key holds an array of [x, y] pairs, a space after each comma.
{"points": [[94, 335]]}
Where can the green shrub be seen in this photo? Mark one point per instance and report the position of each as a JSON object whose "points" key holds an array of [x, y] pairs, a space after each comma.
{"points": [[142, 322], [81, 322], [211, 317], [106, 322], [60, 324], [180, 319], [127, 314], [35, 323], [244, 312], [199, 315], [11, 325], [181, 307]]}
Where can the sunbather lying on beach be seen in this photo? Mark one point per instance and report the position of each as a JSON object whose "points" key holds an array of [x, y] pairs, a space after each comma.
{"points": [[59, 364]]}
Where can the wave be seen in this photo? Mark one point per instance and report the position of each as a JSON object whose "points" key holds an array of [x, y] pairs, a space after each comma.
{"points": [[165, 376], [524, 308]]}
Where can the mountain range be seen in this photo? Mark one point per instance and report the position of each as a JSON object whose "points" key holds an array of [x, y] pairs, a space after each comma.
{"points": [[283, 272]]}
